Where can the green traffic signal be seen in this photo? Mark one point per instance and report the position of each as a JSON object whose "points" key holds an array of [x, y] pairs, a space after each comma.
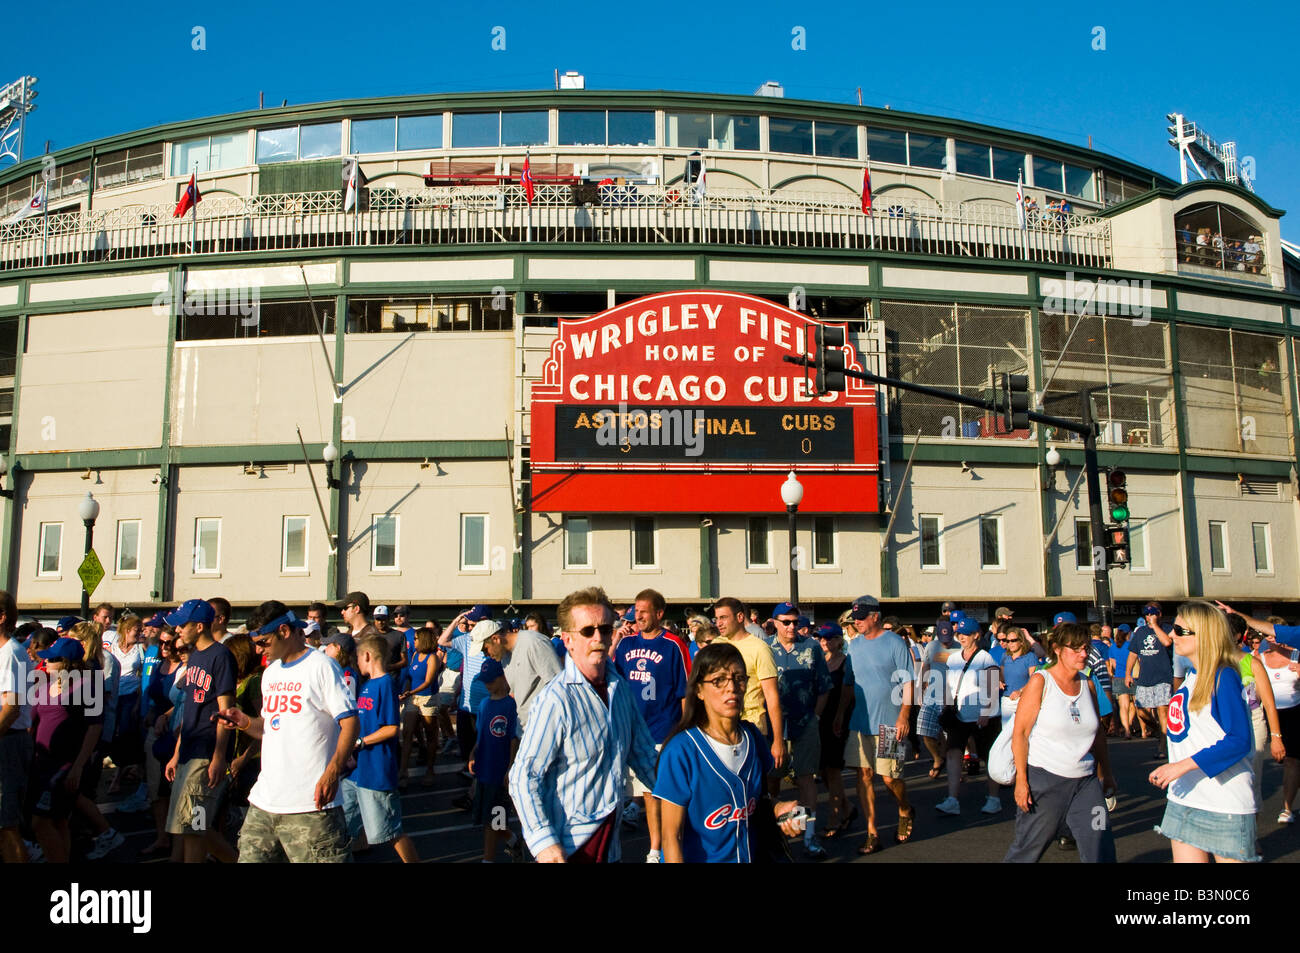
{"points": [[1119, 513]]}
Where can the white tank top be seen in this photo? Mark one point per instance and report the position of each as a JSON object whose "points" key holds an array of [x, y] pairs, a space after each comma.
{"points": [[1286, 686], [1062, 737]]}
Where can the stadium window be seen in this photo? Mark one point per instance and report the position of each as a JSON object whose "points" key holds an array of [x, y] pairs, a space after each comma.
{"points": [[725, 131], [431, 313], [835, 140], [385, 531], [129, 166], [232, 314], [644, 554], [419, 132], [582, 127], [824, 554], [1137, 546], [207, 545], [887, 145], [128, 547], [991, 542], [475, 130], [524, 128], [926, 152], [1263, 548], [689, 130], [577, 542], [277, 145], [931, 542], [1083, 545], [733, 131], [50, 561], [1080, 183], [1048, 174], [973, 159], [320, 141], [191, 156], [630, 128], [1218, 546], [790, 135], [293, 548], [210, 153], [1008, 166], [373, 135], [758, 554], [473, 541]]}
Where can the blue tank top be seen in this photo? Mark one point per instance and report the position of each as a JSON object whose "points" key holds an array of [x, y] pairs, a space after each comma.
{"points": [[419, 668]]}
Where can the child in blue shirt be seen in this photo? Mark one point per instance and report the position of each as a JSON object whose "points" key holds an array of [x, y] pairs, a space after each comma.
{"points": [[494, 751], [370, 798]]}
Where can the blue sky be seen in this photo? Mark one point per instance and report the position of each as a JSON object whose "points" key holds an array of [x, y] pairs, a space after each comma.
{"points": [[1028, 66]]}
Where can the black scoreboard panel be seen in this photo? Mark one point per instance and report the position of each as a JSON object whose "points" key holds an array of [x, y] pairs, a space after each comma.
{"points": [[703, 434]]}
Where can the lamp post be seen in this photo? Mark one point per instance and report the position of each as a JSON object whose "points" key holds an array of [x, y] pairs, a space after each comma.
{"points": [[792, 496], [330, 454], [1053, 460], [89, 511]]}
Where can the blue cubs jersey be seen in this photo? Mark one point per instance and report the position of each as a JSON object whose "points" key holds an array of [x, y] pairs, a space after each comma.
{"points": [[718, 802], [657, 669]]}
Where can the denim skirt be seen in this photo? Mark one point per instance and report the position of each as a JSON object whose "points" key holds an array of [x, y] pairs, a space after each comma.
{"points": [[1223, 835]]}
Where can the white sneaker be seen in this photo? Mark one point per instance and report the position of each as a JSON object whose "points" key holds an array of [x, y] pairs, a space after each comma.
{"points": [[654, 857], [1286, 817], [992, 805], [105, 842], [949, 805]]}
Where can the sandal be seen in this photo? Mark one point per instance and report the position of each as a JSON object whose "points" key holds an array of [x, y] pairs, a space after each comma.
{"points": [[841, 827], [936, 771], [905, 822], [871, 846]]}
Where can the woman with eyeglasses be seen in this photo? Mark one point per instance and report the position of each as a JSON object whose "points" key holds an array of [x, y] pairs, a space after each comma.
{"points": [[1062, 764], [711, 769], [1211, 806]]}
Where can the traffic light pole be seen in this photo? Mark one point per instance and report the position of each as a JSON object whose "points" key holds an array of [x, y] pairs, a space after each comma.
{"points": [[1085, 428]]}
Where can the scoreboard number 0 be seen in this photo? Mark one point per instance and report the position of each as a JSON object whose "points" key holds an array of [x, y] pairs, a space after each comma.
{"points": [[806, 445]]}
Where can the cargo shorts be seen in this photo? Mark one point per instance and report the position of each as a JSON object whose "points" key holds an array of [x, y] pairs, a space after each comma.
{"points": [[315, 837]]}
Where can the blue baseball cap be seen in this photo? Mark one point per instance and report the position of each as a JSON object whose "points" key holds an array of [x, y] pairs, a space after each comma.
{"points": [[1123, 627], [156, 622], [863, 606], [943, 630], [630, 614], [192, 610], [288, 619], [829, 630], [491, 670], [66, 623], [1063, 617], [478, 614], [967, 626], [802, 622], [956, 615], [65, 648], [784, 608]]}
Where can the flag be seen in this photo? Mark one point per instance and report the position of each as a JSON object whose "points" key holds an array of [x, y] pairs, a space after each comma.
{"points": [[1020, 202], [866, 190], [526, 179], [353, 188], [35, 206], [190, 199], [697, 194]]}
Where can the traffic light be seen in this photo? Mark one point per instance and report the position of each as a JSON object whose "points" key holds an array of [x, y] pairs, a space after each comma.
{"points": [[829, 344], [1015, 402], [1117, 535]]}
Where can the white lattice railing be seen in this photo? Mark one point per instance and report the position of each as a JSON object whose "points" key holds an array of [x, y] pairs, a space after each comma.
{"points": [[624, 214]]}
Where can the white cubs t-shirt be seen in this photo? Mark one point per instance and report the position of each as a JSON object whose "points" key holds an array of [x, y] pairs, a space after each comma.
{"points": [[302, 703]]}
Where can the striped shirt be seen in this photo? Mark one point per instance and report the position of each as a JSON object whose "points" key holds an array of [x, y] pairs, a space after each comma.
{"points": [[571, 767], [472, 662]]}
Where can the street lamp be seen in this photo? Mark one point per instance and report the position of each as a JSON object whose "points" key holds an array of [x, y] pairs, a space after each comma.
{"points": [[1053, 459], [89, 511], [329, 455], [4, 470], [792, 496]]}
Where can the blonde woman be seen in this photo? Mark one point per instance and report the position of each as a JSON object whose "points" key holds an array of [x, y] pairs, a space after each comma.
{"points": [[1211, 807], [90, 635], [128, 742]]}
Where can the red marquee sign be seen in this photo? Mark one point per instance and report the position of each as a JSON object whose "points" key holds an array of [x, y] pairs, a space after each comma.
{"points": [[681, 403]]}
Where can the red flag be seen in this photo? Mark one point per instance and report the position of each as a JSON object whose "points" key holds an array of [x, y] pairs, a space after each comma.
{"points": [[526, 179], [866, 190], [189, 199]]}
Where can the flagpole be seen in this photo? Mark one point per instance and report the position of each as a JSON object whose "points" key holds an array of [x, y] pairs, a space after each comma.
{"points": [[528, 235], [1023, 214], [871, 214], [45, 221]]}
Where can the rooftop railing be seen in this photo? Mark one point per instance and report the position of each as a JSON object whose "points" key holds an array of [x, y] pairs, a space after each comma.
{"points": [[560, 214]]}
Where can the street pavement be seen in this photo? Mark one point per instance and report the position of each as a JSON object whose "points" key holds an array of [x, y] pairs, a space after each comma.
{"points": [[443, 833]]}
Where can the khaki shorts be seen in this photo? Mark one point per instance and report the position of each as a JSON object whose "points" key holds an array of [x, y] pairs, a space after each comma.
{"points": [[861, 753], [805, 752], [425, 706], [634, 786], [194, 806], [316, 837]]}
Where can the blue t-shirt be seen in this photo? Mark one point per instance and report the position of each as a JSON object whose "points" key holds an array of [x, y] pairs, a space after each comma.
{"points": [[151, 660], [718, 802], [417, 671], [209, 674], [881, 666], [1119, 655], [377, 765], [557, 643], [1016, 672], [1155, 660], [657, 670], [1287, 635], [498, 723]]}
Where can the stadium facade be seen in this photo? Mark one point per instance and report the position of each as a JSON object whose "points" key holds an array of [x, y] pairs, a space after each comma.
{"points": [[168, 364]]}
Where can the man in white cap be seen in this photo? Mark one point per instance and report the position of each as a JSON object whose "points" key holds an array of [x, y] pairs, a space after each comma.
{"points": [[396, 661]]}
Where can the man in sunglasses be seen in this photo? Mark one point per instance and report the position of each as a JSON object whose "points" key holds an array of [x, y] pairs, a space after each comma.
{"points": [[583, 733], [308, 726]]}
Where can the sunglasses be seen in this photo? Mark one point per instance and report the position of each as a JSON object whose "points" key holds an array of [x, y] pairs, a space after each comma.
{"points": [[785, 621], [590, 631], [1180, 630]]}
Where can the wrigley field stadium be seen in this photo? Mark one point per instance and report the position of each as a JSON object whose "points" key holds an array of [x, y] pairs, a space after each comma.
{"points": [[495, 347]]}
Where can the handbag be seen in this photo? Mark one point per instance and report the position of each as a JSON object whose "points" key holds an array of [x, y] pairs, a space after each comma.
{"points": [[1002, 760], [948, 719]]}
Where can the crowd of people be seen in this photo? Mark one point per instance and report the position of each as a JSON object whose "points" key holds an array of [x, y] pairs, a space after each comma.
{"points": [[291, 738], [1211, 249]]}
